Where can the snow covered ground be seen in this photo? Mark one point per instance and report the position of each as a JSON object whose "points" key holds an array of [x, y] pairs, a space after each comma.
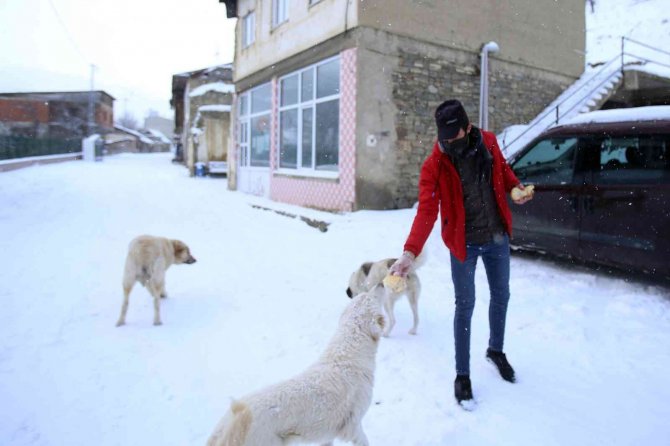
{"points": [[592, 353]]}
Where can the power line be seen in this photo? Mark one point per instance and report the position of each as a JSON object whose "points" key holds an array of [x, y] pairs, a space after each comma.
{"points": [[67, 33]]}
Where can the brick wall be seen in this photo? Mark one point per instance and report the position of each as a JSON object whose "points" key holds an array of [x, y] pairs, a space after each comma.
{"points": [[17, 110]]}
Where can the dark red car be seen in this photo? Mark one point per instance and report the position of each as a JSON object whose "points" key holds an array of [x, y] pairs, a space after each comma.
{"points": [[602, 193]]}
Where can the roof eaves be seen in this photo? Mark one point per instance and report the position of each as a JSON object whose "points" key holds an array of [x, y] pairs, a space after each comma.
{"points": [[231, 8]]}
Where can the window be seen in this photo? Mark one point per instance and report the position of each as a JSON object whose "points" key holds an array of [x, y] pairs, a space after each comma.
{"points": [[254, 126], [632, 160], [248, 29], [279, 12], [550, 161], [309, 118]]}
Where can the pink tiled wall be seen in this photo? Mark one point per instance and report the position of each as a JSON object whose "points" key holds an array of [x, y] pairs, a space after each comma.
{"points": [[336, 195], [234, 149], [274, 122]]}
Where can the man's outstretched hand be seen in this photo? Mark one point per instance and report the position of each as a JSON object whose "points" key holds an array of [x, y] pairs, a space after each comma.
{"points": [[402, 266]]}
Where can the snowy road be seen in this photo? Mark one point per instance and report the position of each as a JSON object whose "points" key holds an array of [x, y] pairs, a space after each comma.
{"points": [[592, 353]]}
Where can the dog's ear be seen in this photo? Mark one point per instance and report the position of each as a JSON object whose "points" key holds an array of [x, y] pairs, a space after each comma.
{"points": [[178, 247], [377, 327], [381, 321]]}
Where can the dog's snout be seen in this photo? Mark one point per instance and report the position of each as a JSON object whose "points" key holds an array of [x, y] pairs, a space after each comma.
{"points": [[349, 293], [191, 260]]}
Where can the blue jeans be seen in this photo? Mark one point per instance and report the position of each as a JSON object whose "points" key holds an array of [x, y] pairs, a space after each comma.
{"points": [[496, 258]]}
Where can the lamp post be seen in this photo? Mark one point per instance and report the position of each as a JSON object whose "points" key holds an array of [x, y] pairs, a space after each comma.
{"points": [[490, 47]]}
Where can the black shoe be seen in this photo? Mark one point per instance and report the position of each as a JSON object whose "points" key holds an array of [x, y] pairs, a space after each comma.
{"points": [[462, 388], [500, 361]]}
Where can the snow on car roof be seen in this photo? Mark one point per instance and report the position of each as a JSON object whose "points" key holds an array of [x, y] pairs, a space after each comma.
{"points": [[651, 113]]}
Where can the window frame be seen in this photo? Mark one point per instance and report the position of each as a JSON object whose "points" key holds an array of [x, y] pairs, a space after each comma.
{"points": [[244, 127], [302, 106], [279, 12], [248, 32], [532, 179], [627, 173]]}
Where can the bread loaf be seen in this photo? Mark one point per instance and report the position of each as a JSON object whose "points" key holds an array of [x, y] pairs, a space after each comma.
{"points": [[518, 194], [395, 283]]}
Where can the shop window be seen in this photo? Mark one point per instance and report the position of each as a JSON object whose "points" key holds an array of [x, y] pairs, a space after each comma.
{"points": [[309, 118]]}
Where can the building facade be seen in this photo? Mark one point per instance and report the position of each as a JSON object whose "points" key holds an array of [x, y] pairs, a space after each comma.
{"points": [[202, 101], [56, 114], [335, 98]]}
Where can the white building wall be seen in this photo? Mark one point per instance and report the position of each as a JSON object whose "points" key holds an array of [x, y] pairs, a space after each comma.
{"points": [[307, 25]]}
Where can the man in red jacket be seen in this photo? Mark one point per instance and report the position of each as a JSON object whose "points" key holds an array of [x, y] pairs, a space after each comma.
{"points": [[466, 179]]}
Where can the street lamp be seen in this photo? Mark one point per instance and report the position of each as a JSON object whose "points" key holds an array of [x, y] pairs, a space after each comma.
{"points": [[490, 47]]}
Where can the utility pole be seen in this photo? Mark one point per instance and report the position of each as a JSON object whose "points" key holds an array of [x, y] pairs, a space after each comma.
{"points": [[91, 107]]}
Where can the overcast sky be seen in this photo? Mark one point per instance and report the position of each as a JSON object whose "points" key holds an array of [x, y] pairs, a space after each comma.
{"points": [[136, 45]]}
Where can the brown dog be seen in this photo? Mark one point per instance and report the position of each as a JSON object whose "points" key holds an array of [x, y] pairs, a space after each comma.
{"points": [[148, 259]]}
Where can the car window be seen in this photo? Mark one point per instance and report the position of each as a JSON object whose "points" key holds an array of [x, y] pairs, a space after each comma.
{"points": [[550, 161], [633, 160]]}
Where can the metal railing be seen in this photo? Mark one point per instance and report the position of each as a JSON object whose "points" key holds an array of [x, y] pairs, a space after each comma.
{"points": [[12, 147], [633, 59], [645, 45]]}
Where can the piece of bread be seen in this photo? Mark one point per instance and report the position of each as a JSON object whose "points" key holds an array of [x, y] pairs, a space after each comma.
{"points": [[518, 194], [397, 284]]}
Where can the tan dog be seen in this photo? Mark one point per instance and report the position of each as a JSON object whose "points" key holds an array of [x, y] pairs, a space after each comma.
{"points": [[148, 259], [371, 274], [325, 402]]}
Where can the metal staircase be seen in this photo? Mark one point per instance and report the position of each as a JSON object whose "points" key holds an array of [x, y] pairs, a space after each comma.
{"points": [[588, 93]]}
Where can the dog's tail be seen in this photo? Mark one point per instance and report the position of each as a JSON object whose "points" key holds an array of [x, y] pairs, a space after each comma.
{"points": [[144, 275], [235, 434]]}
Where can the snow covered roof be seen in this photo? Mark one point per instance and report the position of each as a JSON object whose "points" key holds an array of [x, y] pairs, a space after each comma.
{"points": [[112, 138], [652, 113], [215, 107], [221, 87], [160, 135], [204, 70], [140, 136], [216, 67]]}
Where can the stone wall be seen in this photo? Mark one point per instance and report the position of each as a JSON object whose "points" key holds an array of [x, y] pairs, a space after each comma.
{"points": [[421, 82]]}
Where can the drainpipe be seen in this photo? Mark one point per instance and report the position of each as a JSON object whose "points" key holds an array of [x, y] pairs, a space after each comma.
{"points": [[490, 47]]}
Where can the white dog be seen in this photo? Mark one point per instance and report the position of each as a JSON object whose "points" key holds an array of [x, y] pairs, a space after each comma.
{"points": [[326, 402], [371, 274], [148, 259]]}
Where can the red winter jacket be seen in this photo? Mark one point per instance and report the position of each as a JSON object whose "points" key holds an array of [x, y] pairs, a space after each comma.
{"points": [[440, 188]]}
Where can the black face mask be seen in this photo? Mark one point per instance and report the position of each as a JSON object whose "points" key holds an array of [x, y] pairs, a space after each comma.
{"points": [[456, 147]]}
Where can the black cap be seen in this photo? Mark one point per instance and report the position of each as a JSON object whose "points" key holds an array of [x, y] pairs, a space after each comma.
{"points": [[450, 118]]}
